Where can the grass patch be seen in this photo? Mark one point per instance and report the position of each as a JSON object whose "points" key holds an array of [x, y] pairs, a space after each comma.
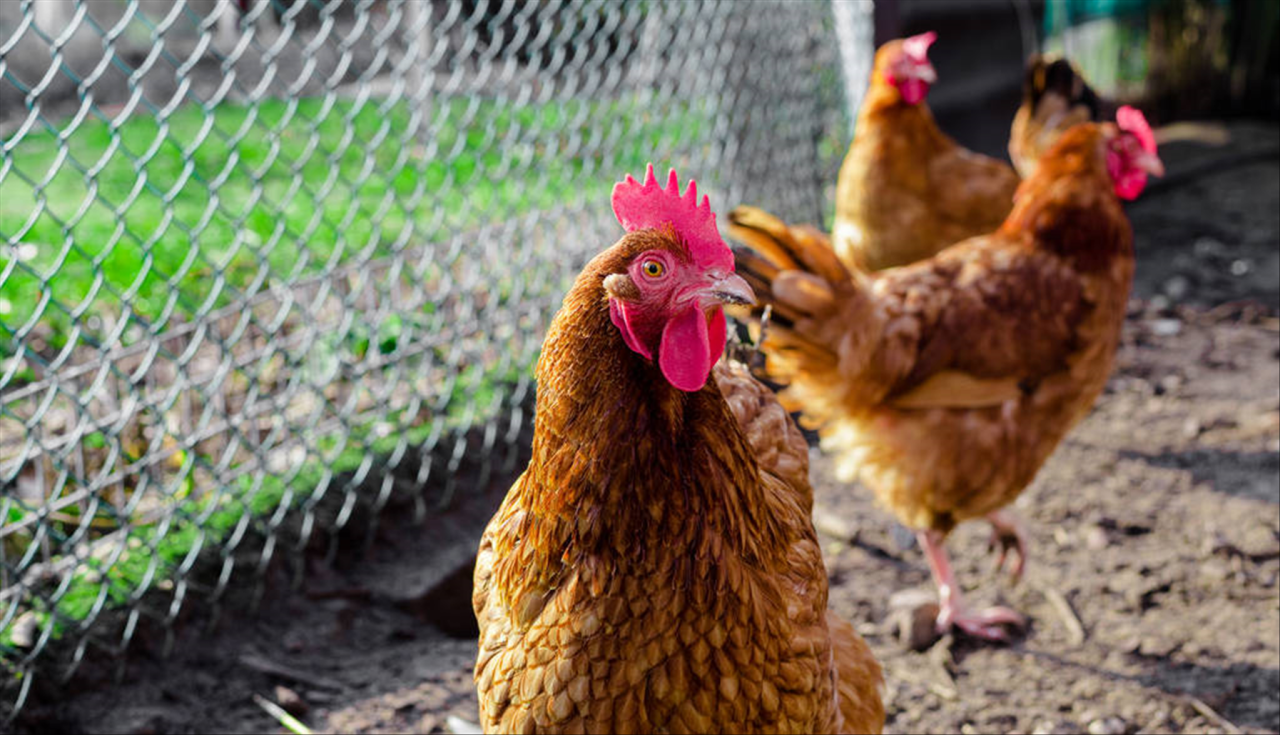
{"points": [[153, 218]]}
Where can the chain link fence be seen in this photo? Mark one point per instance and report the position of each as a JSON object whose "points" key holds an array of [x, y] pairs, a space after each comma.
{"points": [[266, 265]]}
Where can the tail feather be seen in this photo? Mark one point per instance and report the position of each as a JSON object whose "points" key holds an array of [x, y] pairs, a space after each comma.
{"points": [[1058, 77], [795, 273], [788, 248], [1054, 97], [820, 338]]}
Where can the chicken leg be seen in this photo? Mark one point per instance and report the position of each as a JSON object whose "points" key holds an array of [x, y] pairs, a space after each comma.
{"points": [[1006, 533], [985, 624]]}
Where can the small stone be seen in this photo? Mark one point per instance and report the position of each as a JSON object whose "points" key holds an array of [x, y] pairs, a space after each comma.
{"points": [[1177, 287], [1097, 538], [1240, 267], [917, 628], [291, 701], [25, 630], [1191, 428], [1108, 726], [1165, 327], [1158, 647]]}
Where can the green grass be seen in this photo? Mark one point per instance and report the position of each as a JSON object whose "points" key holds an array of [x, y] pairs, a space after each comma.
{"points": [[156, 217]]}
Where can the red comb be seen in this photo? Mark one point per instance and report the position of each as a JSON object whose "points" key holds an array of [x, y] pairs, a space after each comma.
{"points": [[917, 47], [639, 206], [1131, 120]]}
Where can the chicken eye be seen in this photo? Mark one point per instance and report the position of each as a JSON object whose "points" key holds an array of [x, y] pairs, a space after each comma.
{"points": [[652, 268]]}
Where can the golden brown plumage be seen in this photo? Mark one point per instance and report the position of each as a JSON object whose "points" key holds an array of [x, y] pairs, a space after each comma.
{"points": [[907, 190], [655, 568], [944, 385]]}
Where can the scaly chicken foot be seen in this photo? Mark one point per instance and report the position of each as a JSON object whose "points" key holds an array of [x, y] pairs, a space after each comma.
{"points": [[1007, 534], [986, 624]]}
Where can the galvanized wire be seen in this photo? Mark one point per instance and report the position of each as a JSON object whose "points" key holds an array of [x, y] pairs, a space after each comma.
{"points": [[268, 263]]}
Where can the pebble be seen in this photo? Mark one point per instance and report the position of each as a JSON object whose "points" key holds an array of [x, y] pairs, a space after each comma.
{"points": [[1096, 538], [916, 627], [1108, 726], [25, 629], [1177, 287], [1165, 327], [1158, 647], [291, 701]]}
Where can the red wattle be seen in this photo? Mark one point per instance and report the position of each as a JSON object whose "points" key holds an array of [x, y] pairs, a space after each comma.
{"points": [[913, 91], [684, 354]]}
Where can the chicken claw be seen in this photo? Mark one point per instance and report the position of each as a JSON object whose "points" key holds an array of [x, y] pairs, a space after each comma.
{"points": [[988, 625], [1006, 532], [952, 612]]}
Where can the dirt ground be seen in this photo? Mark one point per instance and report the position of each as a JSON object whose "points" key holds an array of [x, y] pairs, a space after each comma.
{"points": [[1151, 589]]}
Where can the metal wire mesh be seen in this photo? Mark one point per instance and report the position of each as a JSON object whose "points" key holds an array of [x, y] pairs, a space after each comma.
{"points": [[267, 262]]}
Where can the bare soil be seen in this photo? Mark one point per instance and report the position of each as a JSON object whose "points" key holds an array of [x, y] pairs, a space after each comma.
{"points": [[1154, 529]]}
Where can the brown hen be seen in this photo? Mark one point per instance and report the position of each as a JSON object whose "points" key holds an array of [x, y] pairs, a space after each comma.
{"points": [[944, 385], [655, 568]]}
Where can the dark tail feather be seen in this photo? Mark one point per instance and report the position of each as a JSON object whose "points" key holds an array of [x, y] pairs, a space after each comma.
{"points": [[794, 273], [1059, 77]]}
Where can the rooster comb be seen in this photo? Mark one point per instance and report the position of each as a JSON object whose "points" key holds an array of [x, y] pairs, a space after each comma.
{"points": [[917, 47], [640, 206], [1131, 120]]}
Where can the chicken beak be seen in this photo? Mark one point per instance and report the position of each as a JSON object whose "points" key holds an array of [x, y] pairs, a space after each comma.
{"points": [[926, 73], [727, 288], [1149, 162]]}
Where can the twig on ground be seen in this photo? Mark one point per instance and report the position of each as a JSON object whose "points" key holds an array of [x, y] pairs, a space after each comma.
{"points": [[1210, 713], [1066, 613], [272, 668], [285, 719]]}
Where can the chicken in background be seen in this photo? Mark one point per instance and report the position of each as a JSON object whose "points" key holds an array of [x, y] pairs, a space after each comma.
{"points": [[907, 190], [655, 568], [1054, 98], [946, 384]]}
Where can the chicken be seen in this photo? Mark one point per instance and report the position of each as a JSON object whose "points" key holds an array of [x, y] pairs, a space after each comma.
{"points": [[1054, 98], [907, 190], [945, 385], [655, 568]]}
